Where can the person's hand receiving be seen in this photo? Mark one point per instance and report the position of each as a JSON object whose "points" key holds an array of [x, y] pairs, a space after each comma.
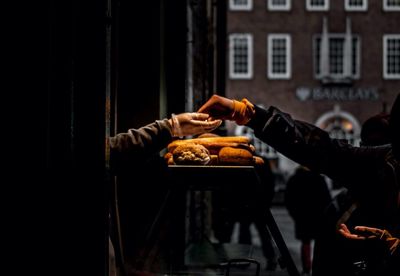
{"points": [[192, 123], [364, 232], [226, 109]]}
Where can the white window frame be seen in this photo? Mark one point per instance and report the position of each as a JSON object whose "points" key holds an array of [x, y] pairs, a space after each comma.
{"points": [[317, 8], [358, 57], [364, 6], [385, 73], [235, 7], [288, 73], [249, 74], [273, 7], [389, 8]]}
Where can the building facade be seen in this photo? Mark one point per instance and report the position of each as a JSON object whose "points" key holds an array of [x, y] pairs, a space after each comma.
{"points": [[329, 62]]}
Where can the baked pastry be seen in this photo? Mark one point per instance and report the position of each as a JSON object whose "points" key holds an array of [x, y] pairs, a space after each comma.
{"points": [[191, 154], [214, 160], [258, 161], [208, 135], [235, 156]]}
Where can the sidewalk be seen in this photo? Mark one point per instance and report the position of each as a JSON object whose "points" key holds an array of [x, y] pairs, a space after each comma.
{"points": [[235, 250]]}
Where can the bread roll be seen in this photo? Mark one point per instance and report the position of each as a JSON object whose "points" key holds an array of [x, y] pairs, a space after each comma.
{"points": [[191, 154], [214, 160], [235, 156], [208, 135], [167, 156], [170, 161], [258, 161]]}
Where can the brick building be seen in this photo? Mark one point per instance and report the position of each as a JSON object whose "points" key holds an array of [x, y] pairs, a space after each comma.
{"points": [[329, 62]]}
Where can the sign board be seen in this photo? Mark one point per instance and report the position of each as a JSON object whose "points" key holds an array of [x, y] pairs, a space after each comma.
{"points": [[337, 94]]}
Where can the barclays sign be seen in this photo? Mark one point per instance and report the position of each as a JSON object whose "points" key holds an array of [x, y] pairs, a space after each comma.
{"points": [[337, 94]]}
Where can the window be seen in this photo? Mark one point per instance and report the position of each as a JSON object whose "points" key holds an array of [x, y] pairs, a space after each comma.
{"points": [[279, 56], [240, 56], [356, 5], [391, 56], [279, 5], [391, 5], [240, 5], [340, 125], [317, 5], [336, 57]]}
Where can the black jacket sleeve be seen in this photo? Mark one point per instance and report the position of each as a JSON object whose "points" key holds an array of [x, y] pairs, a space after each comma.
{"points": [[312, 147]]}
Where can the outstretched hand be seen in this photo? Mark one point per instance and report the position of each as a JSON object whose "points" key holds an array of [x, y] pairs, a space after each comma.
{"points": [[192, 123], [226, 109], [363, 232], [218, 107], [370, 233]]}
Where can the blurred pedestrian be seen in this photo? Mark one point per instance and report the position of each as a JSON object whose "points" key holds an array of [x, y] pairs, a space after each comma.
{"points": [[306, 197]]}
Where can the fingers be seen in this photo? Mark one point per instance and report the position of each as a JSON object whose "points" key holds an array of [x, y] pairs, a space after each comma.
{"points": [[199, 116], [214, 124], [351, 236], [204, 108], [344, 228], [207, 125], [344, 231], [371, 230]]}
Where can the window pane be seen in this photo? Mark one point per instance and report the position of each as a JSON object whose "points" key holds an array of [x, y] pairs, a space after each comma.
{"points": [[240, 2], [279, 2], [356, 3], [240, 56], [240, 50], [393, 56], [240, 5], [317, 3], [279, 66], [393, 3], [279, 5], [336, 56], [279, 56]]}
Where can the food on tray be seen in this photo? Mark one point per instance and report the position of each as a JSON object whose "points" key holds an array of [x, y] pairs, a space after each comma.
{"points": [[213, 150], [214, 144], [258, 161], [191, 154], [232, 156]]}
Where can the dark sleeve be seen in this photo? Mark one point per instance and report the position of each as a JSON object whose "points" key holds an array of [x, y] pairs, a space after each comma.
{"points": [[312, 147], [137, 145]]}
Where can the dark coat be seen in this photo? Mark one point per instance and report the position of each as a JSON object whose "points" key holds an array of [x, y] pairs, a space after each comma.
{"points": [[306, 198], [364, 171], [142, 185]]}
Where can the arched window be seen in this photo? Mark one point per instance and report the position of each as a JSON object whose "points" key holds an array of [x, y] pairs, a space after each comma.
{"points": [[340, 125]]}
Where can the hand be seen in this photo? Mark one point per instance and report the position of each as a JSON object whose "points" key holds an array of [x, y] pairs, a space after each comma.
{"points": [[218, 107], [223, 108], [364, 233], [192, 123]]}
